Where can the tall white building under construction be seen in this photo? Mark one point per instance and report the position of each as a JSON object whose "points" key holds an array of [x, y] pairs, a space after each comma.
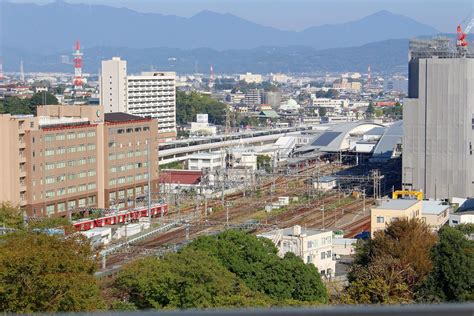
{"points": [[438, 118]]}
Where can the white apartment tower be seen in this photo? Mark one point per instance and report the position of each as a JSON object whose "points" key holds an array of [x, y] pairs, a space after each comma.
{"points": [[113, 85], [153, 94]]}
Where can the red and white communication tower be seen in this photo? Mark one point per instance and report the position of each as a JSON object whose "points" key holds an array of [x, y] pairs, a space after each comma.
{"points": [[77, 68]]}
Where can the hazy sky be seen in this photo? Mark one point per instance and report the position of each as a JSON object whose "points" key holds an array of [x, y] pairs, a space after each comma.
{"points": [[444, 15]]}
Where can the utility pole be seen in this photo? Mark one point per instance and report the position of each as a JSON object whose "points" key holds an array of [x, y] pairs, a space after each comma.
{"points": [[363, 201], [205, 206], [323, 214]]}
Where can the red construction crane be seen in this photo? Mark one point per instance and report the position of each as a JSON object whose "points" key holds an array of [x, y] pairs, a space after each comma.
{"points": [[461, 42]]}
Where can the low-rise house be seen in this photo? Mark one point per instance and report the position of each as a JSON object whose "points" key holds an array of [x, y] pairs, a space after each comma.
{"points": [[312, 245], [435, 214], [390, 210], [461, 217]]}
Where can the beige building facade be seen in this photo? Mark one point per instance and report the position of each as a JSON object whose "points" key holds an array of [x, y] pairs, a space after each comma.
{"points": [[391, 210], [56, 162], [312, 245]]}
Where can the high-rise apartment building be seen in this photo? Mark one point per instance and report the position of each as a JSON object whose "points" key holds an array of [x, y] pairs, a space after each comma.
{"points": [[153, 94], [113, 85], [73, 157], [438, 119]]}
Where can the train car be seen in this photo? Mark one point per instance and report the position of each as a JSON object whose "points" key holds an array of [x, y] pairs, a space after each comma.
{"points": [[121, 217], [84, 224]]}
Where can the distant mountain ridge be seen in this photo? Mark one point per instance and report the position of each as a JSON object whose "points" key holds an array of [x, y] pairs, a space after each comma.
{"points": [[385, 56], [54, 27]]}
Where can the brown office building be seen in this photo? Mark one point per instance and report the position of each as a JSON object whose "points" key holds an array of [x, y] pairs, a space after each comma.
{"points": [[70, 158]]}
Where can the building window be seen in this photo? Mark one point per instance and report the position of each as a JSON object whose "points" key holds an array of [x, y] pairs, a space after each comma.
{"points": [[323, 255], [308, 259], [49, 152], [112, 196], [49, 194], [61, 207], [71, 205], [50, 209], [71, 190], [82, 202], [91, 200], [60, 136], [91, 186], [380, 219]]}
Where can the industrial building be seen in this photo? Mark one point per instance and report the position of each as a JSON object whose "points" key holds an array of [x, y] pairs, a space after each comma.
{"points": [[72, 157], [438, 121]]}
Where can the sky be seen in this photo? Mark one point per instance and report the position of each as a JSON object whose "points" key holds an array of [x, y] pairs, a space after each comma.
{"points": [[444, 15]]}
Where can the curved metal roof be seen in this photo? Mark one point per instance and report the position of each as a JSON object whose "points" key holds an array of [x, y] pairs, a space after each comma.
{"points": [[336, 138], [389, 141]]}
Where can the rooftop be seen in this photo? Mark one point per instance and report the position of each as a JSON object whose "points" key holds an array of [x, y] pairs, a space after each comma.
{"points": [[180, 176], [433, 207], [396, 204], [290, 232], [121, 117]]}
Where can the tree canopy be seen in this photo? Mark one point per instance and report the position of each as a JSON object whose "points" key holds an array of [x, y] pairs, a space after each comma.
{"points": [[330, 93], [452, 278], [15, 105], [256, 262], [10, 216], [188, 105], [397, 258], [188, 279], [41, 273]]}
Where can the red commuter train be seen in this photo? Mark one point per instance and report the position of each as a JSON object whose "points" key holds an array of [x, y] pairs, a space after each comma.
{"points": [[120, 217]]}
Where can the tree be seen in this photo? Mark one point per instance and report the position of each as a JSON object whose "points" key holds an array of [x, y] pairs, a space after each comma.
{"points": [[370, 110], [10, 216], [256, 262], [331, 94], [408, 240], [41, 273], [188, 105], [382, 281], [378, 112], [188, 279], [322, 112], [43, 98], [406, 244], [452, 278], [264, 163]]}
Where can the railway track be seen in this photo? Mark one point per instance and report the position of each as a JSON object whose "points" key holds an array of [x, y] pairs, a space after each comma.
{"points": [[242, 207]]}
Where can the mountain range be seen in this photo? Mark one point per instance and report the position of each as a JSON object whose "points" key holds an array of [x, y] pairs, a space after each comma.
{"points": [[385, 56], [54, 27]]}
